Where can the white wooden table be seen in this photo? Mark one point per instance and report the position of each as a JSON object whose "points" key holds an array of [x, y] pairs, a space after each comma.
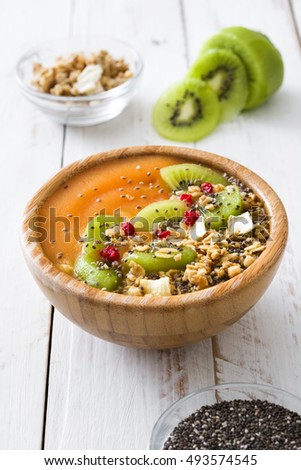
{"points": [[61, 388]]}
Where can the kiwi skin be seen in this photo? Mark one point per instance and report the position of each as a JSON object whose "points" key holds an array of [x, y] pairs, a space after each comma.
{"points": [[187, 111], [262, 61], [224, 72]]}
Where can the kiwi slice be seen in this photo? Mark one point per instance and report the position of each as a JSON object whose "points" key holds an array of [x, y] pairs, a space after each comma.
{"points": [[87, 270], [95, 234], [167, 210], [185, 174], [227, 202], [187, 111], [153, 263], [224, 72], [262, 61]]}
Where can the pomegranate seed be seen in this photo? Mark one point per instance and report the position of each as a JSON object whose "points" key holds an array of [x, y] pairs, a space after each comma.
{"points": [[163, 233], [187, 198], [190, 217], [207, 188], [110, 254], [128, 229]]}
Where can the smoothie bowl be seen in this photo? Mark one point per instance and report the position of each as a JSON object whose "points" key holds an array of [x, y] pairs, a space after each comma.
{"points": [[154, 247]]}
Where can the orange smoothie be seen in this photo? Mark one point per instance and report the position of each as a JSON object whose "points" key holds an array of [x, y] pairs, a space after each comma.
{"points": [[127, 185]]}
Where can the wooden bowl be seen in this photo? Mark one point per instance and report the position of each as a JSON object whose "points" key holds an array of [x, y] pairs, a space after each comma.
{"points": [[158, 322]]}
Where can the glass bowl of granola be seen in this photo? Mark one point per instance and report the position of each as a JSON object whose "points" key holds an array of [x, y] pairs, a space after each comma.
{"points": [[80, 81]]}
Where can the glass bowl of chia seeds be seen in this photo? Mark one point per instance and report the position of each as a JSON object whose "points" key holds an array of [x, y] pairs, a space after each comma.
{"points": [[231, 416]]}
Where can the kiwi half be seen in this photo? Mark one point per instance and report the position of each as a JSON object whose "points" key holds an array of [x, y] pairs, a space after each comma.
{"points": [[169, 210], [262, 61], [224, 72], [153, 263], [95, 233], [87, 270], [187, 111], [227, 202], [185, 174]]}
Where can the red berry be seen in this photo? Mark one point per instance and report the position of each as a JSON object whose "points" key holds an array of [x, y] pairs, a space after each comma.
{"points": [[190, 217], [163, 233], [187, 198], [128, 229], [207, 188], [110, 254]]}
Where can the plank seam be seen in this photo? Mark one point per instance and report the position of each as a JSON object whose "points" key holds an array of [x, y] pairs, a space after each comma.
{"points": [[294, 21], [185, 35], [63, 145], [47, 378], [71, 23], [51, 327], [71, 19], [214, 360]]}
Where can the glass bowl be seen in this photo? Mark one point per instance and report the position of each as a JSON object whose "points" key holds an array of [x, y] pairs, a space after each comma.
{"points": [[187, 405], [80, 110]]}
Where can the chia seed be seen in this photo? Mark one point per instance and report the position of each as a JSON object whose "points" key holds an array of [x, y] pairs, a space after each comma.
{"points": [[236, 425]]}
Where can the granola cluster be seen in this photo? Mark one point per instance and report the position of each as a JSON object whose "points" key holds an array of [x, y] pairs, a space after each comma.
{"points": [[81, 74], [220, 255]]}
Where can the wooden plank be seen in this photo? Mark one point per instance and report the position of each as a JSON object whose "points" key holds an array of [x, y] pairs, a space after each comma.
{"points": [[108, 397], [101, 395], [265, 345], [31, 151]]}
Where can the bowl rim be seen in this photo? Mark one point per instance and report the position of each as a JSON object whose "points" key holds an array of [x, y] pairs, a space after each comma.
{"points": [[35, 256], [216, 387], [105, 95]]}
